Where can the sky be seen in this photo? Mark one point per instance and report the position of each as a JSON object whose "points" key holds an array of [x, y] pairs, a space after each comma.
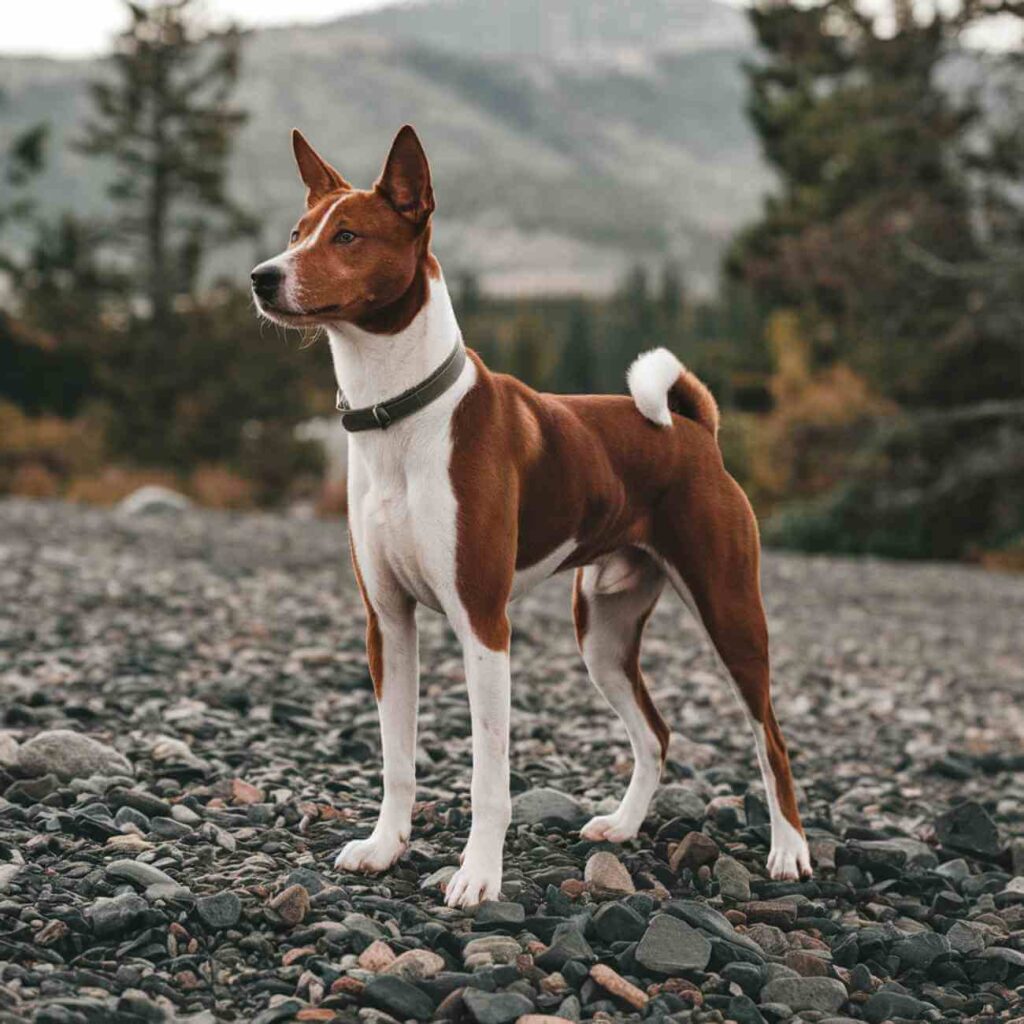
{"points": [[83, 28]]}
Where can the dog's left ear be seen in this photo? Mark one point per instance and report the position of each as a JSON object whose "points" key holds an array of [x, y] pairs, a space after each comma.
{"points": [[405, 180]]}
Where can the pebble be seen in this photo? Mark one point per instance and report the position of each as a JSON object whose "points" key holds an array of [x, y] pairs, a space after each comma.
{"points": [[545, 806], [824, 994], [695, 851], [967, 826], [495, 1007], [291, 905], [398, 997], [221, 910], [70, 755], [138, 871], [256, 756], [733, 879], [606, 875], [618, 986], [885, 1006], [669, 946]]}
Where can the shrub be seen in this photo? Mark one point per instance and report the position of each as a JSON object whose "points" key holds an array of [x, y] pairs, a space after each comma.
{"points": [[218, 487]]}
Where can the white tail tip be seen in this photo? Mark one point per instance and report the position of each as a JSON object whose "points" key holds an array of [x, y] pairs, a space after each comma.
{"points": [[650, 378]]}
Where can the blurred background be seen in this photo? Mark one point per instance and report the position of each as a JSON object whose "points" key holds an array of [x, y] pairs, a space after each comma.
{"points": [[819, 206]]}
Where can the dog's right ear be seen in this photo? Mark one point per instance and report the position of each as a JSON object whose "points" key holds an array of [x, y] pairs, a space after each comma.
{"points": [[317, 174]]}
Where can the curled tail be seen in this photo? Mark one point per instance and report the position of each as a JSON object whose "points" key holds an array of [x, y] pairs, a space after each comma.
{"points": [[661, 385]]}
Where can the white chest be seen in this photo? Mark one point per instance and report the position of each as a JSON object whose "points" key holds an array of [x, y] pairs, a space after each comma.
{"points": [[402, 511]]}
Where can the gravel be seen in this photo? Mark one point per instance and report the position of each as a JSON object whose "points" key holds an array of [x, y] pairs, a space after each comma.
{"points": [[188, 736]]}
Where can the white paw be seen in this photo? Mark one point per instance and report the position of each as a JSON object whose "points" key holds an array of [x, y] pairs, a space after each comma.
{"points": [[790, 859], [370, 855], [609, 827], [478, 879]]}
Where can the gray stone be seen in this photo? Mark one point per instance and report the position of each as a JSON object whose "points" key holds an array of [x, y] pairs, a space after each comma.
{"points": [[824, 994], [966, 827], [547, 807], [70, 755], [883, 1006], [965, 938], [139, 872], [400, 998], [116, 915], [495, 1007], [733, 878], [920, 950], [677, 801], [442, 876], [222, 910], [496, 914], [670, 945], [707, 919], [8, 872], [168, 828], [955, 870], [615, 922], [567, 943], [8, 751]]}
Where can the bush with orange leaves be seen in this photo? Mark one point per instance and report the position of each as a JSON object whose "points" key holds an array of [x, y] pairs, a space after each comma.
{"points": [[38, 453], [805, 446], [216, 486]]}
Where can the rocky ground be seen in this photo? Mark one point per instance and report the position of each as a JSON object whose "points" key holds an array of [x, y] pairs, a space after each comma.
{"points": [[175, 863]]}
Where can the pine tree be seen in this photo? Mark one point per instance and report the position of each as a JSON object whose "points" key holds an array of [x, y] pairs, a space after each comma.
{"points": [[166, 120], [577, 370], [879, 195]]}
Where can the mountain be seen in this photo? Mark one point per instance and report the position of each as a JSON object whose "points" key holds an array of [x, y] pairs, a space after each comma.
{"points": [[568, 138]]}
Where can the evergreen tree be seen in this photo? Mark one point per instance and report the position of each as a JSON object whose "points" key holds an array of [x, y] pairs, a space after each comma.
{"points": [[671, 296], [881, 167], [166, 120], [577, 370]]}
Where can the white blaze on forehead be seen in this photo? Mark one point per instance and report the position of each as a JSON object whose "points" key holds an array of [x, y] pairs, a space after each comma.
{"points": [[314, 235]]}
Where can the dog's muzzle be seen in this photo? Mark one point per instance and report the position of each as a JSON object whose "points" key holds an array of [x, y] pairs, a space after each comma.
{"points": [[265, 282]]}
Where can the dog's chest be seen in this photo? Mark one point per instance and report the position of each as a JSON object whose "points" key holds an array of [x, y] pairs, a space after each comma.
{"points": [[404, 510]]}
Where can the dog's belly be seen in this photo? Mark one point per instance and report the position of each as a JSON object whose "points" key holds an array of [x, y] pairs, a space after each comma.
{"points": [[526, 579]]}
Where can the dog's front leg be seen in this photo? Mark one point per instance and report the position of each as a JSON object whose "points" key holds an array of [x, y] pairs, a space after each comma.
{"points": [[392, 645], [489, 684]]}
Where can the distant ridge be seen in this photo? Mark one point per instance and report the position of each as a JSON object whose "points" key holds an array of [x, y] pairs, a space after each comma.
{"points": [[569, 138]]}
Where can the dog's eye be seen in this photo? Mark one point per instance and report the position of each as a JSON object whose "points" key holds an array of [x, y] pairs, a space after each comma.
{"points": [[293, 237], [344, 237]]}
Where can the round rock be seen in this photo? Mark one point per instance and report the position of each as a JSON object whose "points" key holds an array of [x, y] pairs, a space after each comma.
{"points": [[70, 755]]}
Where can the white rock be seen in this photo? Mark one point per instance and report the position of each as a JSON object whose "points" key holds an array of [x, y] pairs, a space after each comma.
{"points": [[153, 499]]}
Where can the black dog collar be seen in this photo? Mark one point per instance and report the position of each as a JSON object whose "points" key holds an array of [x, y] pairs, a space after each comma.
{"points": [[383, 414]]}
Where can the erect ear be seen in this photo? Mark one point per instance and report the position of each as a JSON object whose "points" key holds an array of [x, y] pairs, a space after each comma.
{"points": [[317, 174], [405, 180]]}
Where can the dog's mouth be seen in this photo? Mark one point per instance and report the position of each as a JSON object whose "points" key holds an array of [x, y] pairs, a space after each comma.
{"points": [[296, 316]]}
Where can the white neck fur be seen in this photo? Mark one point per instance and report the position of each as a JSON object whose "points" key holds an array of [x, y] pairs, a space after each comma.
{"points": [[371, 368]]}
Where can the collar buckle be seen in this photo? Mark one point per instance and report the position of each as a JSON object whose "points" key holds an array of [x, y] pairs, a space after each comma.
{"points": [[380, 414]]}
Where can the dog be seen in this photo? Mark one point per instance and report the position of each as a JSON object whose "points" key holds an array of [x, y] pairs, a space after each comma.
{"points": [[467, 487]]}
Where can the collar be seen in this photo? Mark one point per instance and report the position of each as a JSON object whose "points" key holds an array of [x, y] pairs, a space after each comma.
{"points": [[419, 396]]}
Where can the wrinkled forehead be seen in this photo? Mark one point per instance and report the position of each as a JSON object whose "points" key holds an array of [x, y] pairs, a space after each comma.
{"points": [[363, 212]]}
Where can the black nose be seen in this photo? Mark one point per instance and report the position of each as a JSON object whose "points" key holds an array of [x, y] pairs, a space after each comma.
{"points": [[265, 282]]}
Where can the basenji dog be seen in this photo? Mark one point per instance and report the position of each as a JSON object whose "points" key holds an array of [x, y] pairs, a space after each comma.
{"points": [[467, 487]]}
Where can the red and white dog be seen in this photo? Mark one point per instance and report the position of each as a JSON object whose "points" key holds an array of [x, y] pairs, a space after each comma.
{"points": [[466, 488]]}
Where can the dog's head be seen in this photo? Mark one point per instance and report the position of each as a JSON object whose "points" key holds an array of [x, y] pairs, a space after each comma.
{"points": [[355, 256]]}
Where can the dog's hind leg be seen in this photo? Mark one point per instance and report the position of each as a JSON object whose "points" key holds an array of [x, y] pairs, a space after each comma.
{"points": [[711, 554], [611, 605]]}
